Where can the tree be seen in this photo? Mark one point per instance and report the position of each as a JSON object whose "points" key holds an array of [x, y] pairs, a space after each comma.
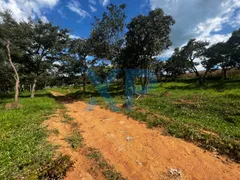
{"points": [[176, 65], [192, 51], [81, 48], [221, 54], [5, 72], [48, 43], [147, 37], [224, 54], [13, 40], [213, 56], [107, 35], [158, 67], [234, 45], [103, 70]]}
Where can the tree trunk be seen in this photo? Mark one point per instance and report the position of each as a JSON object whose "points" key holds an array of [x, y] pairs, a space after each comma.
{"points": [[205, 75], [84, 82], [197, 73], [23, 87], [200, 78], [84, 76], [33, 88], [145, 81], [17, 79], [225, 73]]}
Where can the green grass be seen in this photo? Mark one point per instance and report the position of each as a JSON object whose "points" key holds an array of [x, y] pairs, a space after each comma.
{"points": [[55, 131], [67, 119], [214, 109], [75, 140], [56, 169], [23, 146], [99, 162], [208, 116]]}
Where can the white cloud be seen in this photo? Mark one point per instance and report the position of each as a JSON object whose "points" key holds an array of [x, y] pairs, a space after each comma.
{"points": [[93, 9], [72, 36], [50, 3], [44, 19], [92, 2], [23, 9], [104, 2], [197, 18], [167, 53], [213, 39], [62, 14], [75, 6]]}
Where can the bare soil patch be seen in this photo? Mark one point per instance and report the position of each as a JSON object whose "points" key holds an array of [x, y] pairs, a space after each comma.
{"points": [[138, 152], [81, 163]]}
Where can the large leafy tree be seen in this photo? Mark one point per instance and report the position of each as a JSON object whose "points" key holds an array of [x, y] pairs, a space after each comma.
{"points": [[212, 57], [81, 48], [48, 44], [68, 69], [158, 67], [176, 65], [220, 54], [224, 54], [192, 51], [147, 37], [107, 35], [234, 46], [13, 42]]}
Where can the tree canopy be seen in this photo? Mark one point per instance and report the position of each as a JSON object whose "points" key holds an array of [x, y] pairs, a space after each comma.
{"points": [[107, 35], [34, 54]]}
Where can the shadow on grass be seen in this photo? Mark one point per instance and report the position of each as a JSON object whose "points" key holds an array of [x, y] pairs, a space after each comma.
{"points": [[217, 86], [83, 96], [113, 91], [5, 98], [73, 97]]}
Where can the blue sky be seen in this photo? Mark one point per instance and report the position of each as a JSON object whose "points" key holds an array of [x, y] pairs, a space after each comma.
{"points": [[79, 20], [211, 20]]}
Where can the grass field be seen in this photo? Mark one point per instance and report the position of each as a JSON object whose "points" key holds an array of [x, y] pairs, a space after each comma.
{"points": [[215, 108], [208, 115], [23, 146]]}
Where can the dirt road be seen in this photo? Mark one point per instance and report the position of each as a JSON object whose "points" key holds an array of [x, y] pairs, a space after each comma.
{"points": [[141, 153]]}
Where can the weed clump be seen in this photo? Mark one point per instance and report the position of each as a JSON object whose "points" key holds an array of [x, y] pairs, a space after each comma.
{"points": [[55, 169], [108, 171], [75, 140]]}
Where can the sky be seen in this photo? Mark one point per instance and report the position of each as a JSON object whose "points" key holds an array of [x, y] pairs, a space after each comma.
{"points": [[211, 20]]}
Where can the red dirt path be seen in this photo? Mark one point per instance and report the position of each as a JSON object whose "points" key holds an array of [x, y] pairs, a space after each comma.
{"points": [[147, 154]]}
